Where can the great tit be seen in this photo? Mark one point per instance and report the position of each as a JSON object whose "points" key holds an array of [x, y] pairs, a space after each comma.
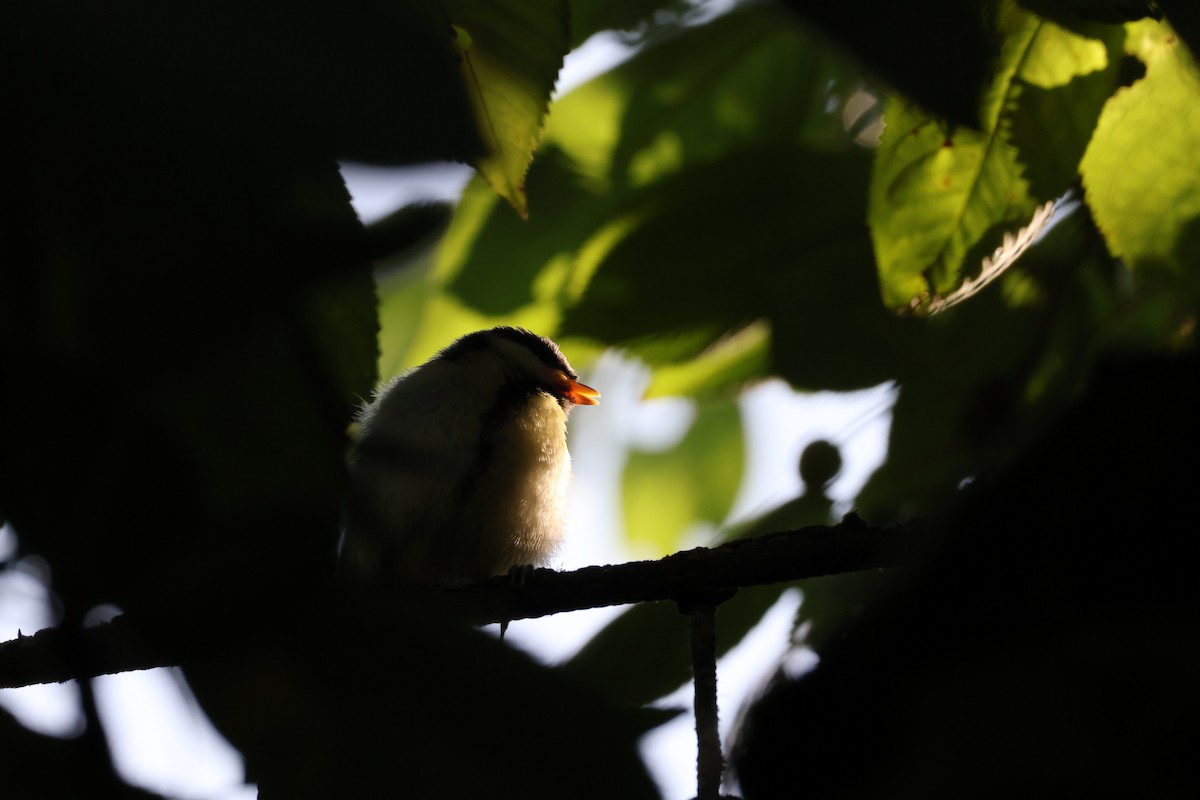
{"points": [[459, 468]]}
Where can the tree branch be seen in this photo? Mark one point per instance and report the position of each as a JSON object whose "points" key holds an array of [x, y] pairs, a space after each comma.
{"points": [[56, 654], [772, 558]]}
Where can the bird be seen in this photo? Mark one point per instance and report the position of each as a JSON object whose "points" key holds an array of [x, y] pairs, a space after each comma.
{"points": [[459, 468]]}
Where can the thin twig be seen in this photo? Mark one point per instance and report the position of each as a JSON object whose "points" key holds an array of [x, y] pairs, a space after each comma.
{"points": [[710, 763]]}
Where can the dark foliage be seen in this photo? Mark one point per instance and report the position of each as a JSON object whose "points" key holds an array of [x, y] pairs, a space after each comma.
{"points": [[1049, 651]]}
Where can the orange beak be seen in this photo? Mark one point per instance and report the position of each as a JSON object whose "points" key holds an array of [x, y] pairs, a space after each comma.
{"points": [[578, 393]]}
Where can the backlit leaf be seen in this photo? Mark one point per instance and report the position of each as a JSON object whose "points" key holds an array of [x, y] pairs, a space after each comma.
{"points": [[1057, 99], [511, 54], [666, 493], [938, 195], [1141, 172], [643, 149]]}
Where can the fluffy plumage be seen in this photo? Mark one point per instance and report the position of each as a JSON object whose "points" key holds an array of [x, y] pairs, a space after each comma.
{"points": [[460, 467]]}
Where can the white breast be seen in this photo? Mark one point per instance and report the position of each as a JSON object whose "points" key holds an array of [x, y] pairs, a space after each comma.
{"points": [[523, 497]]}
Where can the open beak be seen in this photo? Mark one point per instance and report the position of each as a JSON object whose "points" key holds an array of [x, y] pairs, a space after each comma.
{"points": [[578, 393]]}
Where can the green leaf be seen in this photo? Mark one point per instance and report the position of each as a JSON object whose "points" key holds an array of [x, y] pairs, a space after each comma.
{"points": [[423, 309], [991, 372], [497, 265], [511, 54], [730, 362], [695, 134], [1057, 99], [719, 240], [776, 236], [666, 493], [939, 195], [1141, 172], [403, 295]]}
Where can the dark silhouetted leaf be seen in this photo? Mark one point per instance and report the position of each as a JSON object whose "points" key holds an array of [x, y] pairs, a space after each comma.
{"points": [[938, 52]]}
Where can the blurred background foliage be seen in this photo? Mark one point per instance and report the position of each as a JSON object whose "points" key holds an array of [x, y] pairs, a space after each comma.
{"points": [[713, 207], [792, 189], [723, 207]]}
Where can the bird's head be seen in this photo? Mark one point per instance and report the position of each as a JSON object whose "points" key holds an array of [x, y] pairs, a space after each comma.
{"points": [[528, 362]]}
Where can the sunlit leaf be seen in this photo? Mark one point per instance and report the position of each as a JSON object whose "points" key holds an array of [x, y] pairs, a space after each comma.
{"points": [[1057, 99], [1141, 172], [511, 54], [937, 194], [620, 156]]}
